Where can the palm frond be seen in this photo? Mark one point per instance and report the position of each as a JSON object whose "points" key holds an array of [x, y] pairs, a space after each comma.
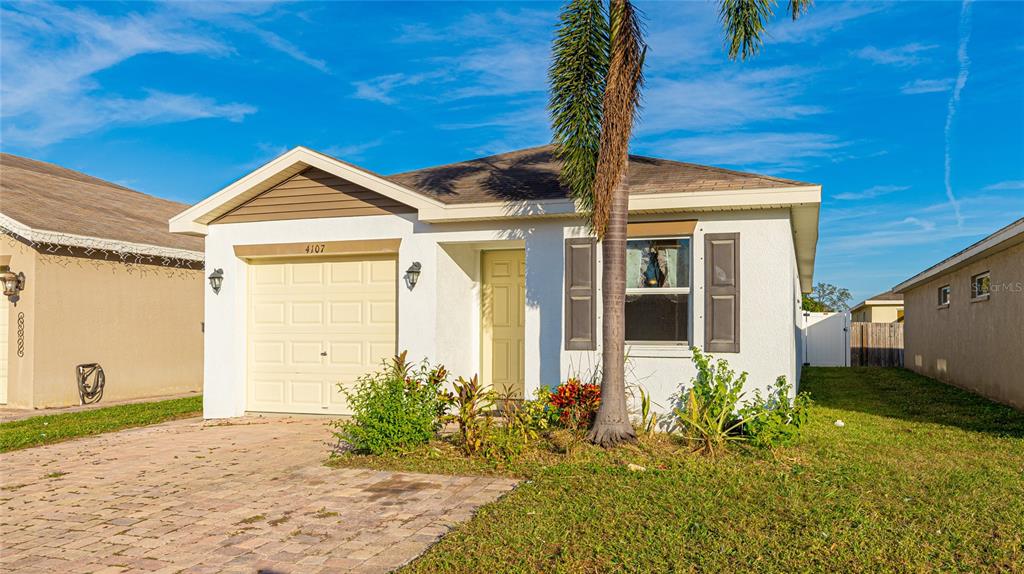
{"points": [[621, 100], [798, 8], [577, 77], [744, 22]]}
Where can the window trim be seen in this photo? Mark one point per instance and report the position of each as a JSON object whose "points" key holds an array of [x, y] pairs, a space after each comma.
{"points": [[667, 291], [949, 296], [974, 279]]}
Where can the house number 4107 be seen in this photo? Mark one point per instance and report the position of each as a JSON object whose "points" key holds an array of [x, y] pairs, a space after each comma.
{"points": [[313, 248]]}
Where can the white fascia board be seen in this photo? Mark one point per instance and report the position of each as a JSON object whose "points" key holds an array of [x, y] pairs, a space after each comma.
{"points": [[99, 243], [194, 219], [1004, 238], [638, 203]]}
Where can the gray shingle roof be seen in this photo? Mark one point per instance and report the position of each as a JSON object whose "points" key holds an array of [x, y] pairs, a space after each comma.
{"points": [[48, 197], [533, 174]]}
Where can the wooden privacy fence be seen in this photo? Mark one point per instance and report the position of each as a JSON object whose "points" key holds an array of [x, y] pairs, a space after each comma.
{"points": [[876, 344]]}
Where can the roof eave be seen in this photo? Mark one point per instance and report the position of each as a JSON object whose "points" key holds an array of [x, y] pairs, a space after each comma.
{"points": [[1004, 238], [101, 243]]}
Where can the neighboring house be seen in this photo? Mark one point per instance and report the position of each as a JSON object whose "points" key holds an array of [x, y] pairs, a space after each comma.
{"points": [[965, 317], [882, 308], [485, 266], [104, 282]]}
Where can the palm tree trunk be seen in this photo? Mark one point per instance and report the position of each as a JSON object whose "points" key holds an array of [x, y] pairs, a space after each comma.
{"points": [[612, 424]]}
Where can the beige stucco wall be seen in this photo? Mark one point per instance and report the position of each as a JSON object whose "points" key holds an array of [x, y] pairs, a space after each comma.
{"points": [[975, 345], [877, 314], [19, 369], [142, 323]]}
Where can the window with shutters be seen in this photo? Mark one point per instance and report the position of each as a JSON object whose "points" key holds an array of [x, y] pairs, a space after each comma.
{"points": [[658, 290]]}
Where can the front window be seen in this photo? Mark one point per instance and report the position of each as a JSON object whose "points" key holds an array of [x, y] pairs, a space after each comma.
{"points": [[944, 296], [980, 286], [658, 290]]}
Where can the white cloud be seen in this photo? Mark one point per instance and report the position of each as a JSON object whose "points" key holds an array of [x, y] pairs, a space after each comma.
{"points": [[906, 55], [954, 101], [871, 192], [927, 86], [52, 55], [725, 100], [821, 19], [380, 88], [352, 152], [1009, 184], [757, 150]]}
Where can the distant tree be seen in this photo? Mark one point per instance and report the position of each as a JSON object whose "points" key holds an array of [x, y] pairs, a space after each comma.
{"points": [[827, 297], [812, 305]]}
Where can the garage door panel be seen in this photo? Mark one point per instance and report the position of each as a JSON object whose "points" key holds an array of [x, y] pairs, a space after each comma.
{"points": [[307, 313], [264, 390], [344, 309], [267, 275], [307, 273]]}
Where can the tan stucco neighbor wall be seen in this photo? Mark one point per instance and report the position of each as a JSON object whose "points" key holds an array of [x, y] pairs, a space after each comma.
{"points": [[975, 345], [877, 314], [141, 322]]}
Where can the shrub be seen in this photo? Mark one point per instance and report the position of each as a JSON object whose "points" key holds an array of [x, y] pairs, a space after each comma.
{"points": [[648, 423], [576, 403], [775, 420], [707, 416], [710, 418], [396, 408], [472, 402]]}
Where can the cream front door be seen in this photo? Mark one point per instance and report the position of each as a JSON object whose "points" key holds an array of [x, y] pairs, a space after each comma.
{"points": [[503, 311], [314, 324]]}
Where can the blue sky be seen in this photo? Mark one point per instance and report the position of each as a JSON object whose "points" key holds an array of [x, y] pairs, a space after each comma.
{"points": [[872, 100]]}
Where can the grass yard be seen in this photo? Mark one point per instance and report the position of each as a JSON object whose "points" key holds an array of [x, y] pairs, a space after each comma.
{"points": [[923, 478], [48, 429]]}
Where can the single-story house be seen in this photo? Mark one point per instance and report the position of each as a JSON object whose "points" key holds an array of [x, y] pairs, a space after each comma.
{"points": [[93, 276], [882, 308], [964, 317], [485, 266]]}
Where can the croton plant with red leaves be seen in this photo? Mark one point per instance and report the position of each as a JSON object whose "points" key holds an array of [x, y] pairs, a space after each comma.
{"points": [[576, 402]]}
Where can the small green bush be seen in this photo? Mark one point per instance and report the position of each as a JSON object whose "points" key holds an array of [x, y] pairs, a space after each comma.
{"points": [[396, 408], [473, 403], [711, 415], [707, 417], [775, 420]]}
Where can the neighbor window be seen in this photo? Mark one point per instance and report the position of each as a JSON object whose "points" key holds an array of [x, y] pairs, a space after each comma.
{"points": [[944, 296], [980, 286], [658, 290]]}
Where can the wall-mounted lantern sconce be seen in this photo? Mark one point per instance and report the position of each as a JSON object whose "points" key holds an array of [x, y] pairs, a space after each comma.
{"points": [[216, 280], [13, 283], [412, 274]]}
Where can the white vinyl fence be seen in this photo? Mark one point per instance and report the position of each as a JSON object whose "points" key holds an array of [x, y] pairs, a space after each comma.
{"points": [[826, 339]]}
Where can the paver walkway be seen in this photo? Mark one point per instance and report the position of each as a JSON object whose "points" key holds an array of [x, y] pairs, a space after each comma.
{"points": [[193, 496]]}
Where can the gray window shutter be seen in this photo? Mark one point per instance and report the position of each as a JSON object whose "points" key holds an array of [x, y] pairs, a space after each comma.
{"points": [[722, 292], [580, 294]]}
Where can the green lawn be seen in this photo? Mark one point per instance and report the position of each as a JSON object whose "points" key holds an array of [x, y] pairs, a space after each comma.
{"points": [[923, 478], [48, 429]]}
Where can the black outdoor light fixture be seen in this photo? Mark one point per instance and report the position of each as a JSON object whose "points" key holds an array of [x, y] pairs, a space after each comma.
{"points": [[13, 283], [216, 279], [412, 274]]}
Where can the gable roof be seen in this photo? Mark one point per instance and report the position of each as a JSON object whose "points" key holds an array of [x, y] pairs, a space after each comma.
{"points": [[1001, 239], [524, 185], [887, 298], [46, 203], [533, 174]]}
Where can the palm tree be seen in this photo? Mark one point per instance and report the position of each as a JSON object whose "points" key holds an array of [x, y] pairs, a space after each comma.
{"points": [[596, 78]]}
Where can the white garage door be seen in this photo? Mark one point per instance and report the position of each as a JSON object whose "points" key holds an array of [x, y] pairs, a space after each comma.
{"points": [[4, 350], [314, 324]]}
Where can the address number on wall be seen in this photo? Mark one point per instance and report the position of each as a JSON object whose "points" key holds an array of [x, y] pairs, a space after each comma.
{"points": [[315, 248]]}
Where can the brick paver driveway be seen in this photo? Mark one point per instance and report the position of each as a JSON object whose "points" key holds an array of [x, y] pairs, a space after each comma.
{"points": [[192, 496]]}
